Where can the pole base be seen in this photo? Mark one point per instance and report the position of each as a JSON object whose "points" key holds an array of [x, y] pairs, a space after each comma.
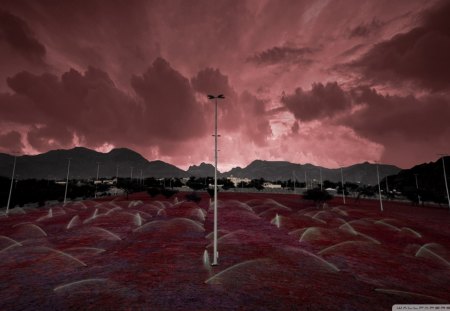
{"points": [[215, 264]]}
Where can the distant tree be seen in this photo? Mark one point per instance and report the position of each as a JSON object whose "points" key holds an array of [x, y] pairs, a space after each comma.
{"points": [[227, 184], [176, 182], [194, 197], [329, 184], [211, 192], [195, 184], [153, 191], [168, 193], [318, 196]]}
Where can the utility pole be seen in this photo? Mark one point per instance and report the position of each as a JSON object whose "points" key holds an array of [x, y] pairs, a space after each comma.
{"points": [[445, 178], [96, 181], [67, 181], [379, 188], [343, 188], [216, 252], [306, 182], [293, 176], [11, 187], [417, 187], [321, 185]]}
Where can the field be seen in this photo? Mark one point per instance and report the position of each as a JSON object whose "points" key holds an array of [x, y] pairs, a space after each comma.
{"points": [[276, 252]]}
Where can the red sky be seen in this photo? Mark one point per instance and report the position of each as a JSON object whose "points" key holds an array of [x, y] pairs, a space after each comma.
{"points": [[325, 82]]}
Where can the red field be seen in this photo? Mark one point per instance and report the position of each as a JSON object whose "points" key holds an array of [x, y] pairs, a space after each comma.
{"points": [[276, 252]]}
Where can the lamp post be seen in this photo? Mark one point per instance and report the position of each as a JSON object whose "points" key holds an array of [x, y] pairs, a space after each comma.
{"points": [[445, 178], [67, 181], [321, 184], [96, 181], [343, 189], [417, 187], [306, 182], [379, 188], [11, 187], [215, 255], [293, 175]]}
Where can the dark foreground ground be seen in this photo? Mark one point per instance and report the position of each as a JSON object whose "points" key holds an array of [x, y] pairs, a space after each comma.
{"points": [[276, 252]]}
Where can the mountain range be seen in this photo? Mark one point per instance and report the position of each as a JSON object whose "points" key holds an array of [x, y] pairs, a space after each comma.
{"points": [[84, 163]]}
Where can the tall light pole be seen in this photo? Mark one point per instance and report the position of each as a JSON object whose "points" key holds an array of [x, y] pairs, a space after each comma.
{"points": [[96, 181], [321, 184], [131, 175], [12, 182], [445, 178], [293, 176], [379, 188], [387, 186], [306, 182], [343, 188], [417, 187], [215, 255], [67, 181], [117, 174]]}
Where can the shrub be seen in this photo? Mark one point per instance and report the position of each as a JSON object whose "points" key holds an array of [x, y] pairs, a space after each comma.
{"points": [[194, 197]]}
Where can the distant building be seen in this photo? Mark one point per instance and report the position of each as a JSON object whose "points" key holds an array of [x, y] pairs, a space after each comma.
{"points": [[269, 185], [115, 191], [236, 180]]}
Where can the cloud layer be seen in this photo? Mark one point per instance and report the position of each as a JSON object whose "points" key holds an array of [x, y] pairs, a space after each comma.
{"points": [[324, 82]]}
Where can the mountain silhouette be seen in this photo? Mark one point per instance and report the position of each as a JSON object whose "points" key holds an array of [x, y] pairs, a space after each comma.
{"points": [[53, 165]]}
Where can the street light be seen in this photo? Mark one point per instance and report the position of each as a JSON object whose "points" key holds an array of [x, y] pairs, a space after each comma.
{"points": [[67, 181], [343, 188], [11, 187], [293, 175], [417, 187], [211, 97], [96, 182], [379, 188], [445, 178], [306, 182], [321, 184]]}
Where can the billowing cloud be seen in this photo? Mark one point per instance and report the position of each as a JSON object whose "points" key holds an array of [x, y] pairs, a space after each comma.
{"points": [[11, 142], [116, 94], [320, 102], [244, 114], [17, 35], [91, 109], [283, 55], [366, 29], [409, 127], [169, 102], [418, 56], [212, 81]]}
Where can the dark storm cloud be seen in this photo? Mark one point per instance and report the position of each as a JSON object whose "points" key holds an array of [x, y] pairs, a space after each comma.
{"points": [[282, 55], [419, 56], [92, 109], [320, 102], [10, 141], [366, 29], [244, 113], [17, 35], [409, 128], [170, 108], [256, 126], [88, 106], [212, 81]]}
